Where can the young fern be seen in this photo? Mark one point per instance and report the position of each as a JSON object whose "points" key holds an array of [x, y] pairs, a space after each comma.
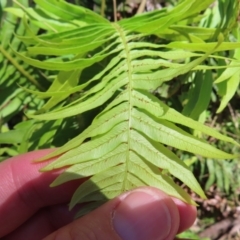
{"points": [[125, 146]]}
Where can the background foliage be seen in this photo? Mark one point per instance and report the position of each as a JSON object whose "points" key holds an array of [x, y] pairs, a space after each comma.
{"points": [[207, 92]]}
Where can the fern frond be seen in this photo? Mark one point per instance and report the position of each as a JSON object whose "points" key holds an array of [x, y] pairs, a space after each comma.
{"points": [[15, 73], [12, 74], [126, 144]]}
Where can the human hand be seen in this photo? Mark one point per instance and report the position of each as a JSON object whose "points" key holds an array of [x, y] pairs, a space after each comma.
{"points": [[31, 210]]}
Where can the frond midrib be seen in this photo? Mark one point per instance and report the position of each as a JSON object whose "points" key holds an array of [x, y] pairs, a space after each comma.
{"points": [[130, 105]]}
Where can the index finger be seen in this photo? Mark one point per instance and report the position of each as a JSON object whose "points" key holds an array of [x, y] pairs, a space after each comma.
{"points": [[24, 190]]}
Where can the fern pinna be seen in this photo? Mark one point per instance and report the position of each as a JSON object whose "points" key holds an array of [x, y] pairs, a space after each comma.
{"points": [[126, 144]]}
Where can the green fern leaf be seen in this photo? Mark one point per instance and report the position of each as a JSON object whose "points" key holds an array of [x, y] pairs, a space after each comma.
{"points": [[125, 146], [228, 81], [13, 73]]}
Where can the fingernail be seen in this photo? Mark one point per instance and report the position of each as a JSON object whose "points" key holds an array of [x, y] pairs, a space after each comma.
{"points": [[142, 216]]}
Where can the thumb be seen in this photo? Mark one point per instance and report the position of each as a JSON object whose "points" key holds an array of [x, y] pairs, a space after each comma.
{"points": [[141, 214]]}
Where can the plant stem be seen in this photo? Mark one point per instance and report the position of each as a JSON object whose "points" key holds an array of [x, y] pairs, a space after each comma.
{"points": [[141, 7], [115, 10], [103, 6]]}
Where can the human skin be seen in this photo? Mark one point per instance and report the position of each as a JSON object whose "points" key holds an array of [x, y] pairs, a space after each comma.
{"points": [[30, 209]]}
